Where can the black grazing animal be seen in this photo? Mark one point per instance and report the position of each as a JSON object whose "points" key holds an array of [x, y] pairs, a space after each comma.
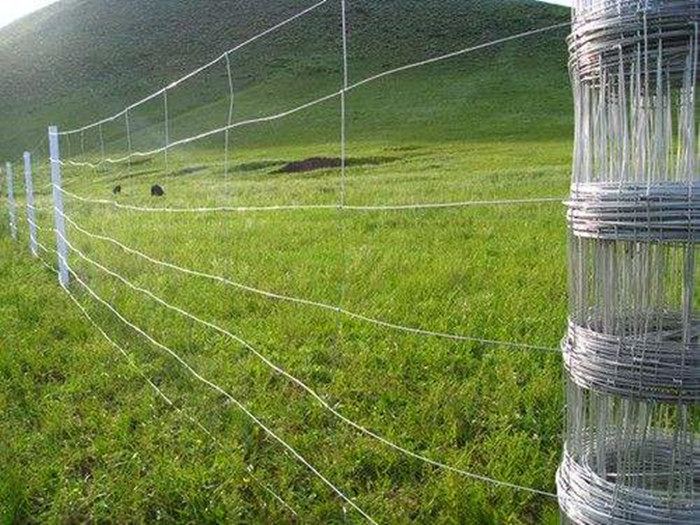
{"points": [[117, 190], [157, 191]]}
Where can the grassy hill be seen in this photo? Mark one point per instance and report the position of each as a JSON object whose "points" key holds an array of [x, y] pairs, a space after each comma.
{"points": [[86, 438], [78, 60]]}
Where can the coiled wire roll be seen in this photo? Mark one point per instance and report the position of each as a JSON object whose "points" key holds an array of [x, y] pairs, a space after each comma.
{"points": [[589, 498], [632, 351], [655, 366], [608, 33], [655, 212]]}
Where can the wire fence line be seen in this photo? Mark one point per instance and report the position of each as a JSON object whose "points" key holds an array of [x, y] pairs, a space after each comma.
{"points": [[298, 300], [215, 387], [160, 393], [204, 135], [237, 339], [195, 72], [342, 206], [340, 93], [306, 302], [297, 381], [318, 397]]}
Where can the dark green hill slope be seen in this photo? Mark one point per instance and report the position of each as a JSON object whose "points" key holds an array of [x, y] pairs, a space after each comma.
{"points": [[78, 60]]}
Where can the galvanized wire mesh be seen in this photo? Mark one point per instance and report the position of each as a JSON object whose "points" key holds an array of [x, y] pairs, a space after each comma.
{"points": [[632, 352]]}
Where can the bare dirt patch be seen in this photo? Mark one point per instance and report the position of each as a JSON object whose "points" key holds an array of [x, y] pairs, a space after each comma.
{"points": [[258, 165], [324, 163]]}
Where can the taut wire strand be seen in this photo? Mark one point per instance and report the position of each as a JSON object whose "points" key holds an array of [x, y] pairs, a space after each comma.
{"points": [[221, 391], [307, 302], [229, 120], [304, 386], [301, 207], [132, 363]]}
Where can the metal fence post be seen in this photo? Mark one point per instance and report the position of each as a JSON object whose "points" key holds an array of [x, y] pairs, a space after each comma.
{"points": [[59, 221], [11, 201], [31, 215]]}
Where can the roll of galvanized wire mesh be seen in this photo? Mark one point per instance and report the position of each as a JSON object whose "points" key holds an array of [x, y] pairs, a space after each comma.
{"points": [[654, 366], [632, 350], [594, 499], [608, 34], [665, 211]]}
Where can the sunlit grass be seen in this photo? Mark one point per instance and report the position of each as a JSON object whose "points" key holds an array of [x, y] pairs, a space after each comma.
{"points": [[85, 437], [493, 272]]}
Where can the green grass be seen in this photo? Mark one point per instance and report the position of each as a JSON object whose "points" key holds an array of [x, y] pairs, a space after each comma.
{"points": [[492, 272], [88, 439], [84, 437]]}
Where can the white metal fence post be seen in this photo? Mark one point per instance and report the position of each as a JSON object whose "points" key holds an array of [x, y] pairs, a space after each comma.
{"points": [[59, 222], [31, 215], [11, 200]]}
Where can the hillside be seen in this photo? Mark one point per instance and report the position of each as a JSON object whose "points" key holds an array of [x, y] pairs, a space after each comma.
{"points": [[78, 60]]}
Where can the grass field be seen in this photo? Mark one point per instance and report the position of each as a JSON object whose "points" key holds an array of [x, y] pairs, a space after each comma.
{"points": [[492, 272], [87, 437]]}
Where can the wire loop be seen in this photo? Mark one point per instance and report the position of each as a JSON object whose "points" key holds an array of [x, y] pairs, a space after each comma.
{"points": [[607, 33], [592, 499], [640, 212], [654, 366]]}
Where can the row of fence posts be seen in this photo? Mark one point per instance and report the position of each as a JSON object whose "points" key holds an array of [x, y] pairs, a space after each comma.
{"points": [[57, 195]]}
